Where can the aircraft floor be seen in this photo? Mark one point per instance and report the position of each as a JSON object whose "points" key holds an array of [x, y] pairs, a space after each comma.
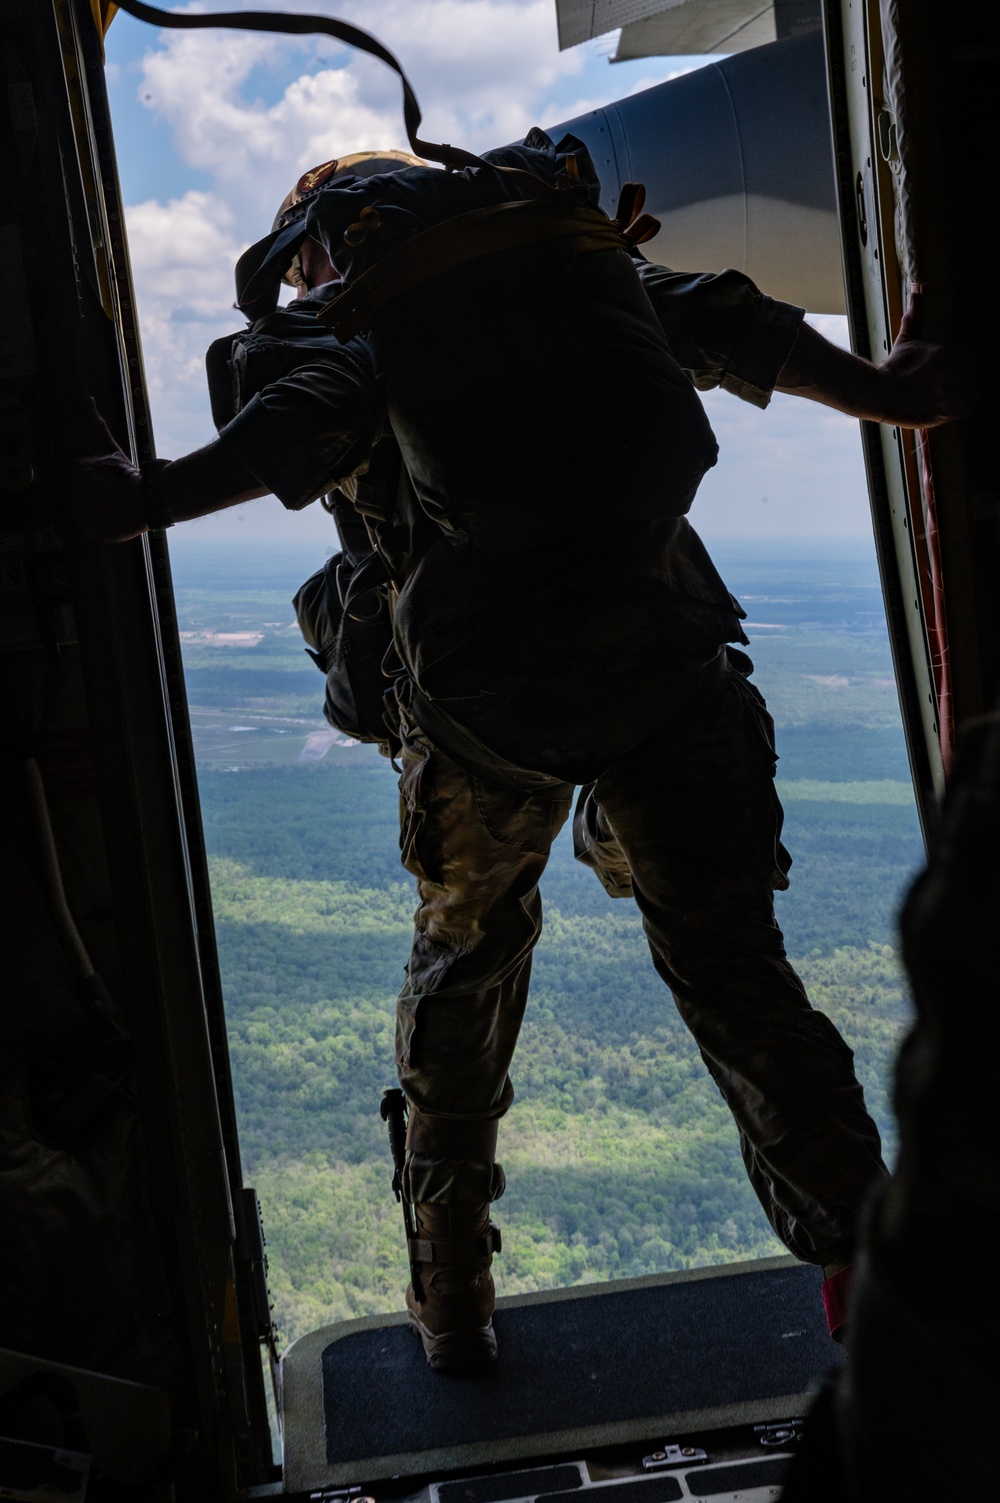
{"points": [[579, 1368]]}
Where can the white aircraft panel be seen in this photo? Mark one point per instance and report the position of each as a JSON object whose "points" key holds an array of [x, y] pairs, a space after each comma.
{"points": [[698, 27], [579, 20]]}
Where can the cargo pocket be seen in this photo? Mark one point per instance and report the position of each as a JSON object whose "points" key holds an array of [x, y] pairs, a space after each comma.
{"points": [[525, 822], [414, 850]]}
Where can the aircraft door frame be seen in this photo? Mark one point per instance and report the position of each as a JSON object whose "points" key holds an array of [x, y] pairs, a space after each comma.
{"points": [[113, 686], [893, 91]]}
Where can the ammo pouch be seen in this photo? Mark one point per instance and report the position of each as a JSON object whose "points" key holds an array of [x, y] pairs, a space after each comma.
{"points": [[240, 365], [344, 615], [343, 609]]}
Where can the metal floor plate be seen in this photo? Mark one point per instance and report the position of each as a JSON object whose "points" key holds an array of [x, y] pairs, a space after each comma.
{"points": [[747, 1479]]}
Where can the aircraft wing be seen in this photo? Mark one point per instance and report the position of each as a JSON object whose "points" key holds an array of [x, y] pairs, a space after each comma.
{"points": [[658, 28]]}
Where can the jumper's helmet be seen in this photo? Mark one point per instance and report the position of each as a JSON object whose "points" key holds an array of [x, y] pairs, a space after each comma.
{"points": [[275, 258], [296, 204]]}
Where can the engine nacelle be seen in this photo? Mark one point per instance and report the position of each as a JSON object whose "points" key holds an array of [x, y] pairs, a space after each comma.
{"points": [[738, 166]]}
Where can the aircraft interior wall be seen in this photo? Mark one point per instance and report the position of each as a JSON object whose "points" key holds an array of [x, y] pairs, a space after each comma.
{"points": [[119, 1174]]}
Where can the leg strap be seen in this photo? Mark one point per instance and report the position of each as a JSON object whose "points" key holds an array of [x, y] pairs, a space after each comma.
{"points": [[457, 1252]]}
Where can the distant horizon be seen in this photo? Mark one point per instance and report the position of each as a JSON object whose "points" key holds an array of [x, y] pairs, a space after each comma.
{"points": [[806, 544]]}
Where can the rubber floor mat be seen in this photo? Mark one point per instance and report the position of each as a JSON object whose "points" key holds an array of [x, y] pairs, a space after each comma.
{"points": [[578, 1368]]}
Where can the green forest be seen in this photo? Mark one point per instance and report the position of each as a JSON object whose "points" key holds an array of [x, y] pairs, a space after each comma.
{"points": [[620, 1155]]}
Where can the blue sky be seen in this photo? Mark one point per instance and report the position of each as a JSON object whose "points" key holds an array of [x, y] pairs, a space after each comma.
{"points": [[212, 128]]}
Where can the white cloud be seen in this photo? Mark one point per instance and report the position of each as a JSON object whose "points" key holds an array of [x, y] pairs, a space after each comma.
{"points": [[184, 249], [252, 150], [182, 260], [481, 68], [832, 326]]}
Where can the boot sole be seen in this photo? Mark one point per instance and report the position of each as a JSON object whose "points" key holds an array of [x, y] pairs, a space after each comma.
{"points": [[454, 1349]]}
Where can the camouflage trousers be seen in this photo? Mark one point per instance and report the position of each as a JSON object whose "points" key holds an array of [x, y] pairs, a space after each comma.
{"points": [[690, 823]]}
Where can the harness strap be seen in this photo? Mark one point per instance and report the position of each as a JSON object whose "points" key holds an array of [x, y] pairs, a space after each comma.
{"points": [[467, 751], [466, 237], [369, 574], [457, 1252]]}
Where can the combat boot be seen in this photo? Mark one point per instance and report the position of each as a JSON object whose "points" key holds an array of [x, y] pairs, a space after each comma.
{"points": [[450, 1179], [451, 1296]]}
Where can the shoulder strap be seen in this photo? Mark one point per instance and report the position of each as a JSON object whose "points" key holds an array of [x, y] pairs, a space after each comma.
{"points": [[464, 238]]}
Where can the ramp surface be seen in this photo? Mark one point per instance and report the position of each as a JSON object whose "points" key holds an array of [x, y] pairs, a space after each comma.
{"points": [[578, 1368]]}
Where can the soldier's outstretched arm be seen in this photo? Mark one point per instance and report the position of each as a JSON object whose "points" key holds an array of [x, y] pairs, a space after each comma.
{"points": [[295, 439], [112, 503], [919, 384], [724, 332]]}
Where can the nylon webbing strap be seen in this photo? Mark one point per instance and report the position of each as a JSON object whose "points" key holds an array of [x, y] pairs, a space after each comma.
{"points": [[457, 1252], [454, 242], [290, 25], [474, 757]]}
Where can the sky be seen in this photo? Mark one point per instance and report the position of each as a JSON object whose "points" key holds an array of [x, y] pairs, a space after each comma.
{"points": [[213, 128]]}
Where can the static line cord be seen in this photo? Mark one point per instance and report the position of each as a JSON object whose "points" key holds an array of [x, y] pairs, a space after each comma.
{"points": [[341, 31], [38, 805]]}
